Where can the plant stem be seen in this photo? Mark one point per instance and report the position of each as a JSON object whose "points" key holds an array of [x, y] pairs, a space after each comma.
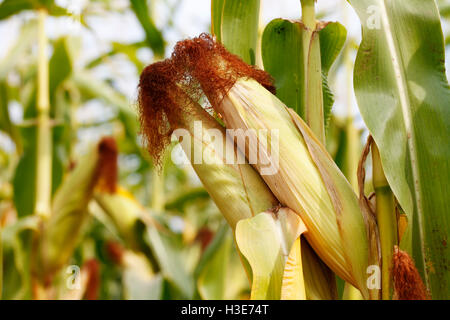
{"points": [[314, 116], [44, 132], [352, 134], [387, 221]]}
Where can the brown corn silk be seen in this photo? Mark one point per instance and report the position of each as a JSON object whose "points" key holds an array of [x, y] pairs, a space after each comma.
{"points": [[158, 106], [206, 65], [408, 284], [92, 269], [115, 252]]}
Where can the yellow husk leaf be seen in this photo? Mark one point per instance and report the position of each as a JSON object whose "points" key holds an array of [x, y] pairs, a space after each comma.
{"points": [[320, 281], [266, 241], [293, 285], [240, 192]]}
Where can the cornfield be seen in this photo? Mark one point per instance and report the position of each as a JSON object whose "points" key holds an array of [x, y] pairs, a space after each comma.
{"points": [[259, 157]]}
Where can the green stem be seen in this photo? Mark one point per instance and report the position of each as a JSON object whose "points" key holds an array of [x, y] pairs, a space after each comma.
{"points": [[308, 14], [313, 72], [387, 221], [260, 285], [352, 134], [44, 133], [353, 150]]}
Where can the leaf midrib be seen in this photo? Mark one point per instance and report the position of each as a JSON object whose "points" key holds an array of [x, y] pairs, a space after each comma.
{"points": [[405, 104]]}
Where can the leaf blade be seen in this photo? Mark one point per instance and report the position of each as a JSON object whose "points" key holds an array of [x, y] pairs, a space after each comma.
{"points": [[403, 95]]}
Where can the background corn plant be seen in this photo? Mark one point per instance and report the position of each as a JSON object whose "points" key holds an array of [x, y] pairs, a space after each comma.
{"points": [[160, 236]]}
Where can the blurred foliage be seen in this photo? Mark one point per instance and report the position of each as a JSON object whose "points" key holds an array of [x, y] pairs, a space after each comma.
{"points": [[183, 250]]}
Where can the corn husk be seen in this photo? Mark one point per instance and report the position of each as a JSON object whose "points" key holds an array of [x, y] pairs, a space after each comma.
{"points": [[236, 188], [125, 212], [240, 193], [61, 232], [307, 180], [130, 220], [320, 281]]}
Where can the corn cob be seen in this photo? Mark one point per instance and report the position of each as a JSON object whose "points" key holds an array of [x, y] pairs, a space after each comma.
{"points": [[237, 189], [307, 180]]}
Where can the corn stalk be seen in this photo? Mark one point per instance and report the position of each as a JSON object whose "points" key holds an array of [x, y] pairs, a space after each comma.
{"points": [[403, 93], [44, 132]]}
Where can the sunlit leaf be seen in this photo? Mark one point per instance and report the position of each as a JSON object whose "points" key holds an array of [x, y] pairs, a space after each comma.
{"points": [[239, 23], [283, 57], [403, 96]]}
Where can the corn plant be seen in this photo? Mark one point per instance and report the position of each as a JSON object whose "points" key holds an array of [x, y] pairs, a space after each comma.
{"points": [[279, 198], [349, 235]]}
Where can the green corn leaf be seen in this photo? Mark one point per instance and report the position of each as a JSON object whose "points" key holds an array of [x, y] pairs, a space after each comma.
{"points": [[172, 267], [403, 95], [92, 87], [212, 271], [12, 7], [130, 50], [239, 22], [6, 124], [25, 173], [283, 56], [216, 18], [60, 64], [153, 35]]}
